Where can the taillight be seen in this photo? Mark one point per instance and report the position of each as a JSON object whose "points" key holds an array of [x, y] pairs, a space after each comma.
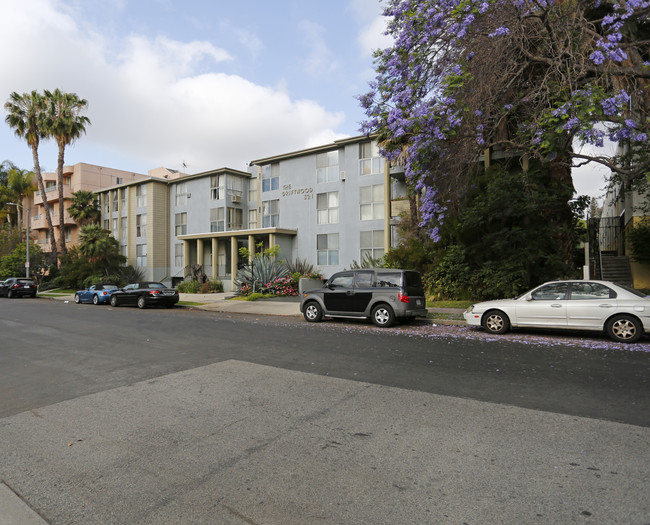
{"points": [[104, 293], [16, 285], [404, 298], [154, 292]]}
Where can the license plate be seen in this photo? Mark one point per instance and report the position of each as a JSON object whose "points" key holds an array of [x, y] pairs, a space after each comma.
{"points": [[168, 293], [25, 286], [418, 302]]}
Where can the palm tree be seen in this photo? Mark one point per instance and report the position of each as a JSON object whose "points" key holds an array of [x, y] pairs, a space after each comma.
{"points": [[65, 124], [19, 186], [100, 247], [84, 209], [26, 115]]}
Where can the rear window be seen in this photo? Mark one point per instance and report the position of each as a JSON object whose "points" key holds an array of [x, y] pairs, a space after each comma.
{"points": [[158, 286], [386, 279], [412, 279], [25, 281]]}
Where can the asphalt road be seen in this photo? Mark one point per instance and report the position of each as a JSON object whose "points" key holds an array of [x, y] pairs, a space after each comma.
{"points": [[402, 426]]}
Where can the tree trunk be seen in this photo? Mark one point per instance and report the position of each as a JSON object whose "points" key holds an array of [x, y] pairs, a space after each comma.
{"points": [[59, 183], [41, 187]]}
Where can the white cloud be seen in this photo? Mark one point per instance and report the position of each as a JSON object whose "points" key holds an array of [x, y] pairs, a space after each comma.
{"points": [[157, 101], [320, 60]]}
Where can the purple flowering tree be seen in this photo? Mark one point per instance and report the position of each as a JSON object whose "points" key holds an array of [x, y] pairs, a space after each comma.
{"points": [[530, 77]]}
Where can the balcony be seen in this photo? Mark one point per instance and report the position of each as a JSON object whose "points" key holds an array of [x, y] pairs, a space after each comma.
{"points": [[39, 222], [398, 207], [52, 194]]}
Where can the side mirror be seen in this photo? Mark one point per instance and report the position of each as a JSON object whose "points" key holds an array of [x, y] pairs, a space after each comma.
{"points": [[528, 297]]}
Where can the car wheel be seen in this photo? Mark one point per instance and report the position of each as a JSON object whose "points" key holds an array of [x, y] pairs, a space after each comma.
{"points": [[624, 329], [113, 301], [313, 312], [141, 302], [383, 316], [496, 322], [95, 300], [77, 299]]}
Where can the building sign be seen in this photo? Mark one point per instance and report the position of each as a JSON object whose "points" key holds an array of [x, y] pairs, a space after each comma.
{"points": [[307, 193]]}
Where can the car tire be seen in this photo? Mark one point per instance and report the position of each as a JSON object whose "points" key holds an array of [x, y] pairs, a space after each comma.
{"points": [[141, 302], [624, 329], [313, 312], [383, 316], [77, 299], [95, 300], [114, 301], [495, 322]]}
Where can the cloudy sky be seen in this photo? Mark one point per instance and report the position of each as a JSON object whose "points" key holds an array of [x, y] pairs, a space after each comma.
{"points": [[204, 83]]}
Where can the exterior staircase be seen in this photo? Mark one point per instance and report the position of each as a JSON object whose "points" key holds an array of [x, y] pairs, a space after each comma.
{"points": [[616, 268]]}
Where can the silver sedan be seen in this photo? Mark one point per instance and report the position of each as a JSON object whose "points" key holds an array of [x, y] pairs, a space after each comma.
{"points": [[619, 311]]}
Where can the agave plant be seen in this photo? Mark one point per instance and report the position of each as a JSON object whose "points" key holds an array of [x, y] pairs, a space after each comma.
{"points": [[262, 270]]}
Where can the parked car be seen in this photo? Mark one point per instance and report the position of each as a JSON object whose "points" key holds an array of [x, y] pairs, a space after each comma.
{"points": [[621, 312], [17, 287], [381, 295], [145, 294], [96, 294]]}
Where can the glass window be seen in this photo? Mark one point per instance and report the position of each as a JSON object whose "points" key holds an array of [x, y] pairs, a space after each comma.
{"points": [[372, 244], [342, 280], [327, 249], [180, 221], [217, 221], [181, 194], [235, 219], [327, 167], [141, 196], [270, 213], [141, 254], [364, 280], [114, 200], [370, 161], [271, 177], [141, 225], [123, 197], [551, 292], [123, 228], [178, 254], [327, 206], [217, 187], [252, 219], [371, 202], [586, 291]]}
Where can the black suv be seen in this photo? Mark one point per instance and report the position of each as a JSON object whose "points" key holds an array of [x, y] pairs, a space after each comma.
{"points": [[17, 287], [380, 294]]}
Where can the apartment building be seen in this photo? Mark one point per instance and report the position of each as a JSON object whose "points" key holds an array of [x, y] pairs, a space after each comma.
{"points": [[80, 176], [329, 205]]}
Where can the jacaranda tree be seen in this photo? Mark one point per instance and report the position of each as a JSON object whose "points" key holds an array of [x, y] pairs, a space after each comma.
{"points": [[533, 77]]}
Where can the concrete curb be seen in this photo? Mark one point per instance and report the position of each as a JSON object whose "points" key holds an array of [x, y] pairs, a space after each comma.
{"points": [[15, 511]]}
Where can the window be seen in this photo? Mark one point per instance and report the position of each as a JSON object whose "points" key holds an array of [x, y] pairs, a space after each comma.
{"points": [[141, 255], [252, 219], [114, 199], [327, 249], [124, 250], [217, 187], [123, 197], [327, 206], [141, 225], [141, 196], [107, 224], [123, 227], [551, 292], [180, 221], [591, 291], [271, 177], [178, 254], [235, 219], [217, 223], [327, 167], [252, 190], [106, 204], [181, 194], [114, 229], [67, 236], [370, 162], [270, 213], [372, 244], [371, 200]]}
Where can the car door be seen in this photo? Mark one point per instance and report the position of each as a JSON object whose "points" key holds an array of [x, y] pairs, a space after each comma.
{"points": [[87, 294], [339, 294], [130, 294], [362, 293], [589, 305], [544, 306]]}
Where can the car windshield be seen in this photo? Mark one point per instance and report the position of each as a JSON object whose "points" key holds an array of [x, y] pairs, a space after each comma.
{"points": [[110, 287]]}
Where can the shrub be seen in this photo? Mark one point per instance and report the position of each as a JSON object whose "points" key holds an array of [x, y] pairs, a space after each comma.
{"points": [[189, 287], [639, 241]]}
